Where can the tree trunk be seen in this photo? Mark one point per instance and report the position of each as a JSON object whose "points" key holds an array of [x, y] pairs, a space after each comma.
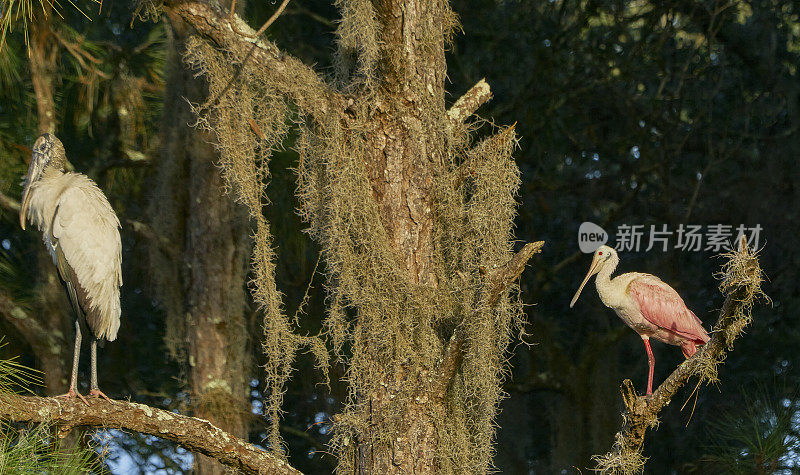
{"points": [[214, 262], [420, 268], [406, 149], [52, 311], [43, 54]]}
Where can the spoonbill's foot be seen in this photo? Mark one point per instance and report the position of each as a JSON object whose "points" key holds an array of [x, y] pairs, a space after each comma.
{"points": [[72, 394], [98, 393]]}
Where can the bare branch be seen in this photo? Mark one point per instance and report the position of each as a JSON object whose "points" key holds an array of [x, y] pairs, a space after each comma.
{"points": [[453, 355], [81, 55], [42, 341], [134, 159], [467, 104], [498, 281], [742, 286], [194, 434], [314, 16], [147, 232], [264, 26], [295, 80], [9, 202]]}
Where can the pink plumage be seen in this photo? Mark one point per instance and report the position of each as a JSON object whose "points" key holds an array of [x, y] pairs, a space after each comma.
{"points": [[650, 307], [661, 305]]}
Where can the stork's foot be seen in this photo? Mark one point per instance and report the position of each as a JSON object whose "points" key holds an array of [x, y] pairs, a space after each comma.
{"points": [[98, 393], [72, 394]]}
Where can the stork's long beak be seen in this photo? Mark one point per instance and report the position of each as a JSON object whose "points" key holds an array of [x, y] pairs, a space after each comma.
{"points": [[23, 209], [593, 269], [34, 172]]}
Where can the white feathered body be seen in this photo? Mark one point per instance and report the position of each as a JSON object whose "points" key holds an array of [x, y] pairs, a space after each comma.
{"points": [[75, 216]]}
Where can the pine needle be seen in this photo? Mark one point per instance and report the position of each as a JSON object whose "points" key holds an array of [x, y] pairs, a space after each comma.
{"points": [[14, 375]]}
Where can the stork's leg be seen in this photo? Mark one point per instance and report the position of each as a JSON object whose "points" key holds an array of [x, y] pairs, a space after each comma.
{"points": [[76, 356], [96, 392], [651, 360]]}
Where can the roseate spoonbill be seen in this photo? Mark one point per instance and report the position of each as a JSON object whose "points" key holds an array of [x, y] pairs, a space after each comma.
{"points": [[81, 232], [645, 303]]}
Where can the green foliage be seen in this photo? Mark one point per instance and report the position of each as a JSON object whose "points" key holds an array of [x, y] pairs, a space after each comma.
{"points": [[759, 437], [33, 449], [11, 65], [13, 11], [21, 13], [644, 113], [17, 113], [14, 375]]}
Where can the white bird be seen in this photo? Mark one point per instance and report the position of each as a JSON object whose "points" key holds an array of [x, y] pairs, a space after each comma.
{"points": [[81, 232], [645, 303]]}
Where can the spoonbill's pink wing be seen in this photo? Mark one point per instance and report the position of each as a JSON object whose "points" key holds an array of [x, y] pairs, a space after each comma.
{"points": [[661, 305]]}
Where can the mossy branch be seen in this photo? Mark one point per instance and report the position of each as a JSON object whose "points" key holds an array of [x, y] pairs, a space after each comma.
{"points": [[498, 280], [742, 277], [194, 434], [507, 137], [293, 79]]}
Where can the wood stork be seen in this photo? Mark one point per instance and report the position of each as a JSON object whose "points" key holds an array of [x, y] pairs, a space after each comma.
{"points": [[645, 303], [81, 232]]}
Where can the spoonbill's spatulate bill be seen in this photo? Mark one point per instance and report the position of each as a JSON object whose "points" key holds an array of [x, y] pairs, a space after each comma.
{"points": [[81, 232], [645, 303]]}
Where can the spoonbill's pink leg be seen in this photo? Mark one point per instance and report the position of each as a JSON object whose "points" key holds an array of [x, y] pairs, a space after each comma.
{"points": [[651, 360]]}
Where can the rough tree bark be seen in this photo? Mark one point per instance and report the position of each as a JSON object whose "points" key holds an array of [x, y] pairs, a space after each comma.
{"points": [[43, 56], [214, 267], [403, 145], [406, 139]]}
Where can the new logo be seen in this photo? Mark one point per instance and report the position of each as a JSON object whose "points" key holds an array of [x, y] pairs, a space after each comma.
{"points": [[590, 237]]}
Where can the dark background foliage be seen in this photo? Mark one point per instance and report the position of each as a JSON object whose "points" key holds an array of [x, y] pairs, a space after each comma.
{"points": [[631, 113]]}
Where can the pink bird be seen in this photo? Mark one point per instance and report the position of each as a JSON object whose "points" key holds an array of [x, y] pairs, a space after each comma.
{"points": [[645, 303]]}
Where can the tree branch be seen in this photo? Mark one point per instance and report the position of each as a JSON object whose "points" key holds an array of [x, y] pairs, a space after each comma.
{"points": [[497, 141], [293, 78], [741, 286], [502, 277], [9, 202], [195, 434], [158, 239], [42, 341], [266, 24], [134, 159], [467, 104], [498, 281], [137, 226]]}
